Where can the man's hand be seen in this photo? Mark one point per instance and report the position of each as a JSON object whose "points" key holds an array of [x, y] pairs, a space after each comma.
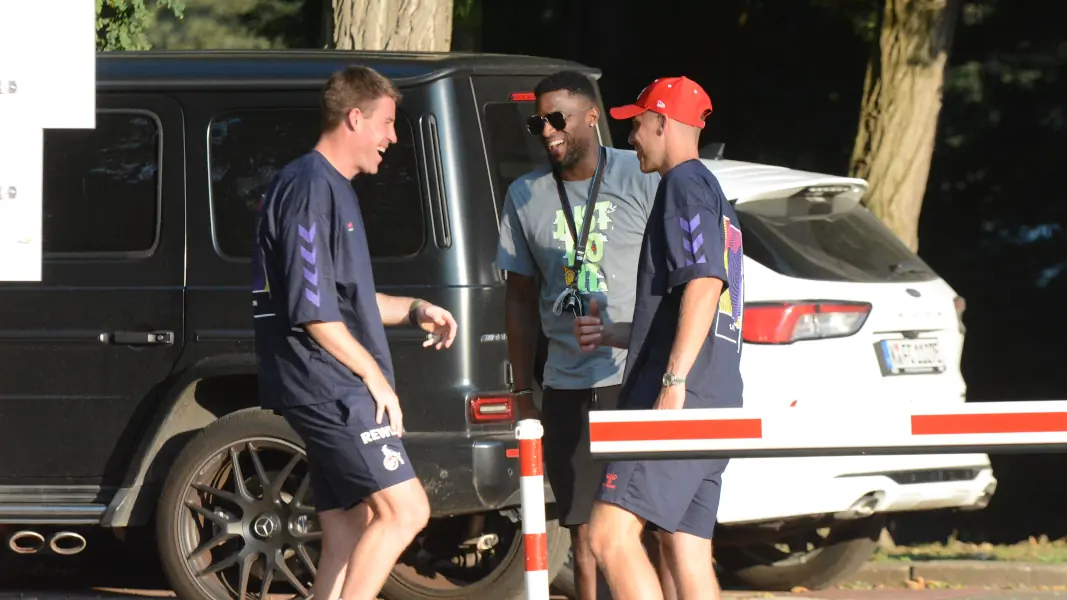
{"points": [[387, 402], [438, 322], [670, 398], [524, 405], [589, 330]]}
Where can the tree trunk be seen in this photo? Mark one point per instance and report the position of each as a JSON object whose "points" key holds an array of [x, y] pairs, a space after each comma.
{"points": [[417, 25], [900, 108]]}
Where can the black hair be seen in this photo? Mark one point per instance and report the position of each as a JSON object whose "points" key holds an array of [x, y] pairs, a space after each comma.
{"points": [[571, 81]]}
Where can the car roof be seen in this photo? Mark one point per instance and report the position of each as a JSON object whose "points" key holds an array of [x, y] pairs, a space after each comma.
{"points": [[159, 69], [746, 181]]}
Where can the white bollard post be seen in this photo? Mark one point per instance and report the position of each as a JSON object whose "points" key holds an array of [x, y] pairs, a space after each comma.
{"points": [[532, 493]]}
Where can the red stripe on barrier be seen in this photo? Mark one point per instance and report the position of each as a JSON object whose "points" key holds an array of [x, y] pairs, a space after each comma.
{"points": [[718, 429], [530, 462], [512, 453], [991, 423], [536, 551]]}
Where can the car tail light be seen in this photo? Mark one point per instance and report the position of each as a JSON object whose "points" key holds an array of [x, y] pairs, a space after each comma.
{"points": [[788, 322], [961, 306], [492, 408]]}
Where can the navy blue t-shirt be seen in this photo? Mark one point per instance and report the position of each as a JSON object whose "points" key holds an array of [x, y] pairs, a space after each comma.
{"points": [[692, 232], [311, 263]]}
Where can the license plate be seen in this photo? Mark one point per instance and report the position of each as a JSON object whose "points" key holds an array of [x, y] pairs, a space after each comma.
{"points": [[903, 357]]}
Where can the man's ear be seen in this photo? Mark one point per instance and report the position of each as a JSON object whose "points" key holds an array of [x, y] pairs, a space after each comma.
{"points": [[353, 118], [594, 116]]}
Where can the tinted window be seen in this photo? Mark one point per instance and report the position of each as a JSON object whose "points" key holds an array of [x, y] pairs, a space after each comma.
{"points": [[101, 186], [828, 240], [513, 152], [249, 147]]}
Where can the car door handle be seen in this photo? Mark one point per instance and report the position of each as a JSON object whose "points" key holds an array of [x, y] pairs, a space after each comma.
{"points": [[138, 338]]}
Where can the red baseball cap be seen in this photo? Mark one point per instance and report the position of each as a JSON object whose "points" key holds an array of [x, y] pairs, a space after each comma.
{"points": [[678, 98]]}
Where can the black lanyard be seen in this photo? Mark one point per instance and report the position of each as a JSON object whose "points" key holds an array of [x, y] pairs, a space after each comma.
{"points": [[590, 205]]}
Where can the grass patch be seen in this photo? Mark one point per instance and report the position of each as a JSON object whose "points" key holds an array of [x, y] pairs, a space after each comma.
{"points": [[1032, 550]]}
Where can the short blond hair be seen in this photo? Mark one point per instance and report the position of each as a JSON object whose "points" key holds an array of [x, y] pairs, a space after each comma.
{"points": [[353, 87]]}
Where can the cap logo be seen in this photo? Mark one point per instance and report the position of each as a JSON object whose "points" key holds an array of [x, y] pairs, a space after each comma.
{"points": [[660, 104]]}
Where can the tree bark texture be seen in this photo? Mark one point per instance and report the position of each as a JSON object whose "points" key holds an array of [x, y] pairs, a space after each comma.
{"points": [[415, 25], [902, 94]]}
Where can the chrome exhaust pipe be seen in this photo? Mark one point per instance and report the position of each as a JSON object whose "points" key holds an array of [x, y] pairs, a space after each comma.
{"points": [[67, 543], [26, 542]]}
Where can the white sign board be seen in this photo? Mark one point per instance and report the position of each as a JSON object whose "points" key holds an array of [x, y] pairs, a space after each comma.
{"points": [[47, 81], [48, 63], [20, 203]]}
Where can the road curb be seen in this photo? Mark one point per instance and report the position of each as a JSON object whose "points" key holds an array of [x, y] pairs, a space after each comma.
{"points": [[962, 572]]}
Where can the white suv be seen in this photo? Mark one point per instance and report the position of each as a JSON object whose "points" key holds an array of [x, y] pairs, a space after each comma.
{"points": [[837, 312]]}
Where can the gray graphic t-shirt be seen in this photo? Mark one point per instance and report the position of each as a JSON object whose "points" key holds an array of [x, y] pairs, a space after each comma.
{"points": [[536, 241]]}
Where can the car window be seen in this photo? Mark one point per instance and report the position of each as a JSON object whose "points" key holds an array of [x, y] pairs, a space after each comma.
{"points": [[101, 186], [830, 240], [513, 152], [248, 147]]}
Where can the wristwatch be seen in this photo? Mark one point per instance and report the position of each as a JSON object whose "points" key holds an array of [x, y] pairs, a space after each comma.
{"points": [[670, 379]]}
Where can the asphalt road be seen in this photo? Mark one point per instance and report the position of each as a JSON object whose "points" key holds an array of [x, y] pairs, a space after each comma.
{"points": [[107, 574]]}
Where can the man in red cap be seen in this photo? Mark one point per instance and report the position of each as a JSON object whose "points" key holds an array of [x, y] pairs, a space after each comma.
{"points": [[684, 350]]}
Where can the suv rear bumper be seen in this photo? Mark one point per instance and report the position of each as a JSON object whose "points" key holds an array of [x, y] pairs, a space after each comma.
{"points": [[760, 490], [467, 474]]}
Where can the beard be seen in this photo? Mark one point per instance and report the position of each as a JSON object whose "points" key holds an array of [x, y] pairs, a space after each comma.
{"points": [[576, 149]]}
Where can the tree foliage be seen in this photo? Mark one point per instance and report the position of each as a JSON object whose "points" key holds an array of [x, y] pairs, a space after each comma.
{"points": [[122, 24]]}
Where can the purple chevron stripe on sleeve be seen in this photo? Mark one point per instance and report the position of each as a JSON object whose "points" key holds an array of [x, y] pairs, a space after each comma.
{"points": [[312, 296], [312, 277], [698, 241], [307, 234], [690, 226], [309, 255]]}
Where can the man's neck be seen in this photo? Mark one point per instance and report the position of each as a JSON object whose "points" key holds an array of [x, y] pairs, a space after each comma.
{"points": [[673, 159], [584, 168], [330, 149]]}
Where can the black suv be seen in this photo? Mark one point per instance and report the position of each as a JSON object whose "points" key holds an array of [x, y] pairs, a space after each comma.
{"points": [[127, 376]]}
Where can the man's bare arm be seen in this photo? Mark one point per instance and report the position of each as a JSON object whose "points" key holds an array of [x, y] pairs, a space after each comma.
{"points": [[394, 309], [521, 321], [335, 338], [617, 335], [699, 304]]}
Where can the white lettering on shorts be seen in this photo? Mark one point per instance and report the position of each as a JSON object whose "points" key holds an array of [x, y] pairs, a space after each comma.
{"points": [[393, 459], [378, 433]]}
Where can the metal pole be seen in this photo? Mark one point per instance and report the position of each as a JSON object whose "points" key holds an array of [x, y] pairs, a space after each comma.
{"points": [[532, 492]]}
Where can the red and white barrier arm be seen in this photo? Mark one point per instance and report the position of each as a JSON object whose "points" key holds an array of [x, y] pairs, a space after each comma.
{"points": [[882, 428], [532, 493]]}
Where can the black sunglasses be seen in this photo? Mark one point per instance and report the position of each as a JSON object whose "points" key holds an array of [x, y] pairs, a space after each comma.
{"points": [[536, 124]]}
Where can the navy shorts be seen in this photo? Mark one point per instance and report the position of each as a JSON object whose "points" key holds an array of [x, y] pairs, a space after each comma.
{"points": [[350, 456], [673, 495]]}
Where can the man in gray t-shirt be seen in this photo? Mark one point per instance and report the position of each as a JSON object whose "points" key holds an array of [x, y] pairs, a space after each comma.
{"points": [[537, 250]]}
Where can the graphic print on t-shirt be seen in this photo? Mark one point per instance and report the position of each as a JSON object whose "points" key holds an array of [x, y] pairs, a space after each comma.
{"points": [[590, 278], [729, 321]]}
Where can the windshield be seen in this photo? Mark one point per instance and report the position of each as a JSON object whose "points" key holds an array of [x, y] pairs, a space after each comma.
{"points": [[830, 240]]}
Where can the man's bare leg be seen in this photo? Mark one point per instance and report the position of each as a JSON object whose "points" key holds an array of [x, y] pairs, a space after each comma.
{"points": [[615, 538], [589, 582], [690, 560], [658, 556], [341, 530], [400, 513]]}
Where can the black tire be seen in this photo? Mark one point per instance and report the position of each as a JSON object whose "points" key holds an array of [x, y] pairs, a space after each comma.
{"points": [[252, 435], [563, 582], [841, 553], [416, 579]]}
